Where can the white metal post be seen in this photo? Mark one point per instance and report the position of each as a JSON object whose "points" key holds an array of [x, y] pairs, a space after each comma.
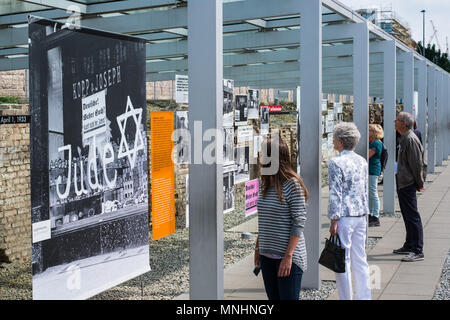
{"points": [[444, 116], [389, 114], [310, 135], [408, 81], [448, 116], [205, 53], [360, 34], [446, 146], [422, 107], [361, 87], [431, 91], [439, 95]]}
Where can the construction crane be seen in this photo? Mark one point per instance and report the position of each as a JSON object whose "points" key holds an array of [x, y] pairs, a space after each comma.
{"points": [[446, 40], [435, 35]]}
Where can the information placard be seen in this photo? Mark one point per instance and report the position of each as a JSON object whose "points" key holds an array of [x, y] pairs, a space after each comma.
{"points": [[163, 176], [244, 134], [272, 108], [228, 188], [251, 196], [181, 89]]}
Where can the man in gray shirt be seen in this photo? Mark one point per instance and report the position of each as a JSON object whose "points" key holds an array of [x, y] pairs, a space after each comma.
{"points": [[410, 172]]}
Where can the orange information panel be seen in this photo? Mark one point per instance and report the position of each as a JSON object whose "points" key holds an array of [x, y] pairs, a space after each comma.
{"points": [[163, 176]]}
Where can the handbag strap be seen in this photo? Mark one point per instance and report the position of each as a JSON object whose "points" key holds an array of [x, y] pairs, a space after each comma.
{"points": [[336, 240]]}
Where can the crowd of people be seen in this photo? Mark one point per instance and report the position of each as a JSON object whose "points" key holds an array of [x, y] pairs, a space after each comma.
{"points": [[353, 206]]}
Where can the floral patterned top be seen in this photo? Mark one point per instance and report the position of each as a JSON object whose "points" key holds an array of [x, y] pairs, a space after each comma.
{"points": [[348, 178]]}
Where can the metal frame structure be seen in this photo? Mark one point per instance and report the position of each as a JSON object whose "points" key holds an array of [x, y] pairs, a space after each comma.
{"points": [[319, 45]]}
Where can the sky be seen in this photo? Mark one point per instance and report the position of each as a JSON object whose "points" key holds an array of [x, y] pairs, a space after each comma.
{"points": [[409, 12]]}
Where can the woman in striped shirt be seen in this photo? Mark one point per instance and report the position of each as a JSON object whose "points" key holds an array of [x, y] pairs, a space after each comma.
{"points": [[280, 247]]}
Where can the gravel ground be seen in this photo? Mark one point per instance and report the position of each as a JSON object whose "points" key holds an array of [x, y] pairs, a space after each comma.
{"points": [[15, 281], [169, 260], [443, 290]]}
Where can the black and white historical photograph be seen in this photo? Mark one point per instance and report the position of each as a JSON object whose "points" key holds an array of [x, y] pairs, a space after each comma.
{"points": [[187, 200], [253, 104], [228, 188], [181, 143], [228, 110], [241, 111], [88, 107], [228, 145], [264, 120], [242, 160]]}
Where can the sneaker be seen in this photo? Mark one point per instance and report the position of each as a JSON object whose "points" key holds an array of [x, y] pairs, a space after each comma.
{"points": [[411, 257], [402, 250], [375, 222]]}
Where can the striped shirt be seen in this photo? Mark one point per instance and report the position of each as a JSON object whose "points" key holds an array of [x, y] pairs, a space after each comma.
{"points": [[277, 221]]}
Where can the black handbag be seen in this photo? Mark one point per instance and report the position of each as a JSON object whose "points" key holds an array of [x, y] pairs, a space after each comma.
{"points": [[333, 255]]}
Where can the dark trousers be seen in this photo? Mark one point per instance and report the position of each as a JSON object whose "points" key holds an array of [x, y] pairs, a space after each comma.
{"points": [[411, 216], [285, 288]]}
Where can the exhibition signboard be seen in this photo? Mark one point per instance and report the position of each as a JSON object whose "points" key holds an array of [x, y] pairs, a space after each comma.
{"points": [[163, 174], [264, 122], [228, 106], [181, 155], [251, 197], [253, 103], [181, 89], [89, 190], [272, 108], [228, 188], [244, 134]]}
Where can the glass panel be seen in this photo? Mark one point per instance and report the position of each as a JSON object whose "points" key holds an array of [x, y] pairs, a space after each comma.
{"points": [[16, 6], [92, 1]]}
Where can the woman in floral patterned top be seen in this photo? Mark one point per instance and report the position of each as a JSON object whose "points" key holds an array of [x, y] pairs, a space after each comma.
{"points": [[348, 209]]}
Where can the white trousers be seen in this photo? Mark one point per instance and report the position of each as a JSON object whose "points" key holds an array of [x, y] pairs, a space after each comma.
{"points": [[352, 232]]}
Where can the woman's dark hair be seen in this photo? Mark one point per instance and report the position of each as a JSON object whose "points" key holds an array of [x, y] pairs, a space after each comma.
{"points": [[285, 171]]}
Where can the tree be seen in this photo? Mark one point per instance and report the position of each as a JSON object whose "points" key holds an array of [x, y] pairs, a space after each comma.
{"points": [[435, 56]]}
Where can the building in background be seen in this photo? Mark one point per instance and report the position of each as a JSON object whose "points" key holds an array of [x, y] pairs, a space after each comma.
{"points": [[389, 21]]}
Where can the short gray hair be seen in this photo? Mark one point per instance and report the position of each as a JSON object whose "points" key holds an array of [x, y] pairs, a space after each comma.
{"points": [[407, 118], [348, 133]]}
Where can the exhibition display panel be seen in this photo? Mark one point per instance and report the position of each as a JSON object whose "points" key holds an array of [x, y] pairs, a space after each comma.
{"points": [[88, 160]]}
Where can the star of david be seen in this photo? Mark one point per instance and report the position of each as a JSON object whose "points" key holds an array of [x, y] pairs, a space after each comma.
{"points": [[138, 140]]}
